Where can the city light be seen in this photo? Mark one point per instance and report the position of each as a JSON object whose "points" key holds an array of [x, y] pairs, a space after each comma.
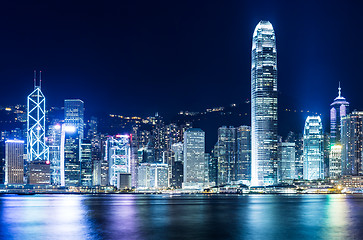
{"points": [[70, 129]]}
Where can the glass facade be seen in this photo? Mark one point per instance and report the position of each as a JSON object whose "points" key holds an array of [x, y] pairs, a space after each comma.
{"points": [[74, 114], [335, 161], [243, 153], [339, 109], [313, 148], [286, 161], [194, 149], [352, 143], [264, 105], [36, 147], [226, 155], [118, 149]]}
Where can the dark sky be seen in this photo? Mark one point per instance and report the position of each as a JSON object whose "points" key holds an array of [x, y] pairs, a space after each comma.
{"points": [[139, 57]]}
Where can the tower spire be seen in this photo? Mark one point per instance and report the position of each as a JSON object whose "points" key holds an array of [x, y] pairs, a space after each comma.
{"points": [[339, 90], [40, 79], [35, 79]]}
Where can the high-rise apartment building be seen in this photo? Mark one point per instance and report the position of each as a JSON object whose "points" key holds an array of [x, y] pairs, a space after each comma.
{"points": [[74, 114], [264, 105], [194, 149], [313, 148]]}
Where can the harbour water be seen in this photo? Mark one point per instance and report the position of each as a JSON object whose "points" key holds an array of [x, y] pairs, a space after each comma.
{"points": [[181, 217]]}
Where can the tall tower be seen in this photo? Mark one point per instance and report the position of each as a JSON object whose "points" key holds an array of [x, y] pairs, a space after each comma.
{"points": [[74, 114], [36, 147], [264, 105], [194, 162], [313, 148], [339, 109]]}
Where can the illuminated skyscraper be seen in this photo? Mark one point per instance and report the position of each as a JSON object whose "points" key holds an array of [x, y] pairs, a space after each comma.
{"points": [[70, 157], [119, 158], [74, 114], [194, 162], [352, 143], [264, 105], [313, 148], [339, 109], [335, 161], [243, 153], [14, 162], [86, 164], [286, 153], [36, 147], [227, 149], [54, 144]]}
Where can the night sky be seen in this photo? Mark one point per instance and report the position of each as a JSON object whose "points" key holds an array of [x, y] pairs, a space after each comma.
{"points": [[139, 57]]}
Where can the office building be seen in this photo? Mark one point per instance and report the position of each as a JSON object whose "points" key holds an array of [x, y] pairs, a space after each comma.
{"points": [[123, 181], [194, 149], [352, 143], [36, 147], [118, 157], [177, 165], [264, 105], [339, 109], [243, 161], [286, 169], [70, 157], [74, 114], [227, 152], [86, 164], [14, 162], [313, 148], [39, 173], [54, 143], [335, 161]]}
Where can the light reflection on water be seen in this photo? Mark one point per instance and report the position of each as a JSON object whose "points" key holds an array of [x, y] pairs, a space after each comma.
{"points": [[183, 217]]}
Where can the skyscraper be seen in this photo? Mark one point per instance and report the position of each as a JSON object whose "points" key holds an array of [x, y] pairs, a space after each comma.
{"points": [[352, 143], [286, 161], [226, 154], [177, 165], [243, 153], [313, 149], [36, 147], [194, 161], [264, 105], [86, 164], [339, 109], [70, 157], [118, 150], [74, 114], [14, 162], [335, 161]]}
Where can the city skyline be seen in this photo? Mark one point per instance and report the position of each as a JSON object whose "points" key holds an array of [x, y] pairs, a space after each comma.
{"points": [[83, 73]]}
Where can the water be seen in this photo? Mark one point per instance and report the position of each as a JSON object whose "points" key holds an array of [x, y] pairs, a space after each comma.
{"points": [[181, 217]]}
